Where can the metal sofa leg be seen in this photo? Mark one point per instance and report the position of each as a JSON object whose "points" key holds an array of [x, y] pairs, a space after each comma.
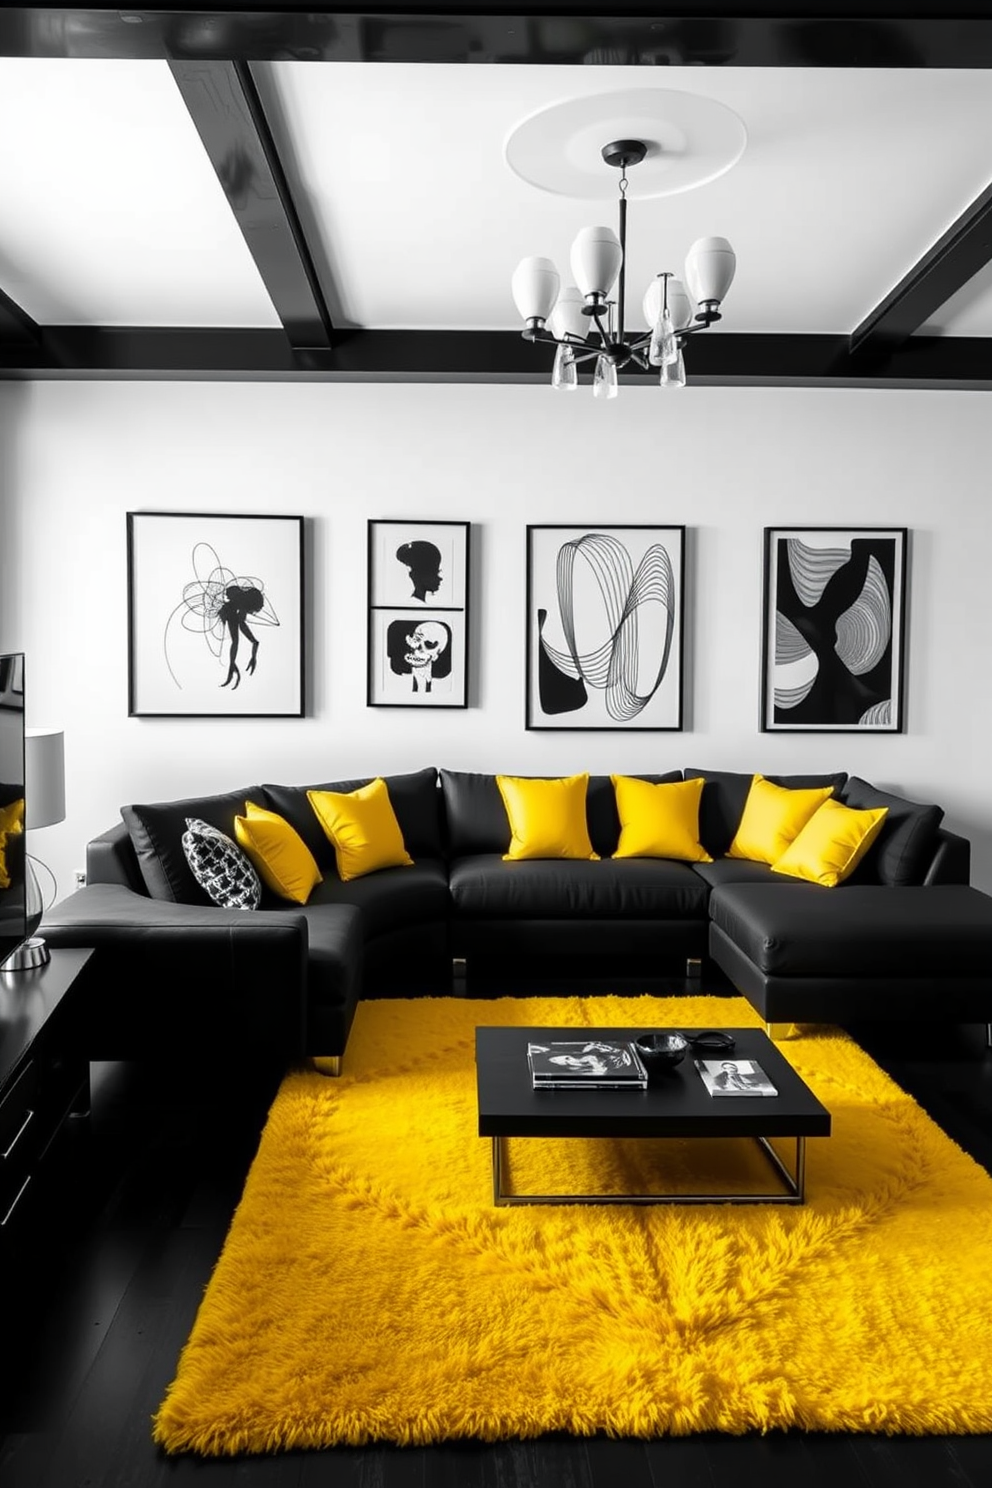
{"points": [[326, 1064], [694, 966], [779, 1031], [988, 1035]]}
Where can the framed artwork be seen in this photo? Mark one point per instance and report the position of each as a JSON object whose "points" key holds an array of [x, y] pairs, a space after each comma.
{"points": [[833, 634], [605, 611], [418, 586], [215, 615]]}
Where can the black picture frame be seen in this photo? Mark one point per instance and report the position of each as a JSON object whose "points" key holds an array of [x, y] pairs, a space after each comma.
{"points": [[418, 613], [605, 627], [216, 615], [833, 648]]}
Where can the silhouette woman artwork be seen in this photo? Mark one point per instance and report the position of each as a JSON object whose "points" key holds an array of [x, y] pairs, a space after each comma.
{"points": [[423, 560], [217, 604]]}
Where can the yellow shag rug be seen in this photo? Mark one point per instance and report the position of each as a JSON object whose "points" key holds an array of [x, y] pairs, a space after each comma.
{"points": [[368, 1290]]}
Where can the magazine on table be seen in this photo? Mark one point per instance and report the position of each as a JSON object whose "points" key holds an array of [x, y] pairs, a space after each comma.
{"points": [[734, 1077], [597, 1064]]}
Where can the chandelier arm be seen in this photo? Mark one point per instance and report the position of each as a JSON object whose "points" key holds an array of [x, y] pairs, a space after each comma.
{"points": [[623, 256]]}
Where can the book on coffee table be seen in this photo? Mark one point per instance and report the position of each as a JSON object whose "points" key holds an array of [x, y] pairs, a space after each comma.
{"points": [[591, 1064], [734, 1077]]}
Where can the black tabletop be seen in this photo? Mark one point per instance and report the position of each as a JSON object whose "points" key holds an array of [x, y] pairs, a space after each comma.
{"points": [[29, 999], [675, 1104]]}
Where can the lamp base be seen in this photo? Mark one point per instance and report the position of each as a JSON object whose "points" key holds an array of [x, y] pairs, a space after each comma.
{"points": [[29, 955]]}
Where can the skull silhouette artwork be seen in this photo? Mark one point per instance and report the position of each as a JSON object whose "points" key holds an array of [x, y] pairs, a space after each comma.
{"points": [[423, 653]]}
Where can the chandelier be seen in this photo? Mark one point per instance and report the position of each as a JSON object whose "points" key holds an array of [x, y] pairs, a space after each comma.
{"points": [[585, 323]]}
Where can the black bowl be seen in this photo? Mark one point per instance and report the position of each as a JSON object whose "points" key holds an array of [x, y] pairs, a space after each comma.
{"points": [[661, 1051]]}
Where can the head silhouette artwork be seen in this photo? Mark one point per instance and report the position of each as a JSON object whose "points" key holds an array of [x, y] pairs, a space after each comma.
{"points": [[423, 560]]}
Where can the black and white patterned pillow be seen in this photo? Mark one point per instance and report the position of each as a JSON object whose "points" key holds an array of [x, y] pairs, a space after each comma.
{"points": [[220, 867]]}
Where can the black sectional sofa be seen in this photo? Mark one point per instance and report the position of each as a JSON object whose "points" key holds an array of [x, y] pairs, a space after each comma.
{"points": [[906, 935]]}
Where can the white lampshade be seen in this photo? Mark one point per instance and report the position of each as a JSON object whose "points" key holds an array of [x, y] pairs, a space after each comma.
{"points": [[567, 317], [709, 269], [535, 287], [44, 777], [596, 259], [679, 303]]}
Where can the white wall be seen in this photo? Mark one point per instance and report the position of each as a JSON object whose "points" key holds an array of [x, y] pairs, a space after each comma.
{"points": [[725, 461]]}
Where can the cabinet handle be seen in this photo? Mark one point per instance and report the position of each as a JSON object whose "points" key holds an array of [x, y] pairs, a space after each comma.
{"points": [[17, 1200], [23, 1128]]}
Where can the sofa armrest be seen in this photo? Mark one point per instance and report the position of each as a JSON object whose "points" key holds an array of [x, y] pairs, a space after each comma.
{"points": [[170, 975], [951, 861]]}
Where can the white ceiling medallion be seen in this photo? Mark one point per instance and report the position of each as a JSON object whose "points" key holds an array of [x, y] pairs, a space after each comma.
{"points": [[690, 140]]}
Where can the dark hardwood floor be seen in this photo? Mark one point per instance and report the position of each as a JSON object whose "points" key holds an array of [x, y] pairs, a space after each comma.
{"points": [[97, 1305]]}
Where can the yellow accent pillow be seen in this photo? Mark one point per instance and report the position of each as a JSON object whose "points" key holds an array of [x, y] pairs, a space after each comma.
{"points": [[284, 862], [547, 817], [11, 822], [659, 821], [363, 828], [773, 816], [831, 844]]}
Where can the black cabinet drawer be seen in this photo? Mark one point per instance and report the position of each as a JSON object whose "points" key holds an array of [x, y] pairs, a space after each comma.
{"points": [[19, 1098]]}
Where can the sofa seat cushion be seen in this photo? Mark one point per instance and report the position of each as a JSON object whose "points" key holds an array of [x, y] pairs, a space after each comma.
{"points": [[805, 930], [483, 886], [736, 870], [390, 899]]}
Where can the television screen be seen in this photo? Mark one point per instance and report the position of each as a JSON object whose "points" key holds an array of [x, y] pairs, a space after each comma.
{"points": [[13, 923]]}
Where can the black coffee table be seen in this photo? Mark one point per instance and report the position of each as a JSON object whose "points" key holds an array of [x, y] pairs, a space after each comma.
{"points": [[675, 1104]]}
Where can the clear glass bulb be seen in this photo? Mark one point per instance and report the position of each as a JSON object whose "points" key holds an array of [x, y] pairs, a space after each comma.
{"points": [[673, 373], [664, 347], [604, 382], [564, 374]]}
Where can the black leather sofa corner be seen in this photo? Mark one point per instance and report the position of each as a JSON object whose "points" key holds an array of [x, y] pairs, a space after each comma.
{"points": [[906, 934]]}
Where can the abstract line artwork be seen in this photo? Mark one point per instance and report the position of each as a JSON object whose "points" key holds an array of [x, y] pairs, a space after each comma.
{"points": [[215, 615], [833, 653], [604, 627], [418, 614]]}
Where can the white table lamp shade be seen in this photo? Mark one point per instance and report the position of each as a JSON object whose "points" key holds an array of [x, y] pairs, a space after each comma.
{"points": [[44, 777]]}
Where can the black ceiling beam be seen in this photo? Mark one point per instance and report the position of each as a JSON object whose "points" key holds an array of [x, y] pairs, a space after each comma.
{"points": [[722, 358], [956, 257], [892, 35], [16, 326], [227, 112]]}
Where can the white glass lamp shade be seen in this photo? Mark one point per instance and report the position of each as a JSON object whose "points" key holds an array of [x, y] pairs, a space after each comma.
{"points": [[567, 318], [679, 303], [596, 258], [709, 269], [535, 287]]}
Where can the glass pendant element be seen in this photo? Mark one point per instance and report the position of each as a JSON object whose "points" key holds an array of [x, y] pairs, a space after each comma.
{"points": [[664, 347], [673, 373], [564, 374], [604, 382]]}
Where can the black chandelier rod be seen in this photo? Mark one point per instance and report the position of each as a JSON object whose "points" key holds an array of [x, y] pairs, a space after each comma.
{"points": [[623, 257]]}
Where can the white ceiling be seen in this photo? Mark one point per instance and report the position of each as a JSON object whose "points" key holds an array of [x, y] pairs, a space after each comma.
{"points": [[112, 214]]}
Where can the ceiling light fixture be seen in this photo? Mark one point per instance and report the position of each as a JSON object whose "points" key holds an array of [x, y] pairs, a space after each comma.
{"points": [[583, 322]]}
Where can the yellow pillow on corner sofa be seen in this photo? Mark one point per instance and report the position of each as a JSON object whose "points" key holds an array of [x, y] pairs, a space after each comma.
{"points": [[547, 817], [362, 826], [773, 816], [282, 859], [831, 844], [659, 820]]}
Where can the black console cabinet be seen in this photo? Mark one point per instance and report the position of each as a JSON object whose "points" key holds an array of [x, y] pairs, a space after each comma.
{"points": [[44, 1085]]}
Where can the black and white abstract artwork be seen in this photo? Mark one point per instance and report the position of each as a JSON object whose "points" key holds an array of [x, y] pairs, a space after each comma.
{"points": [[418, 584], [215, 615], [833, 651], [605, 610]]}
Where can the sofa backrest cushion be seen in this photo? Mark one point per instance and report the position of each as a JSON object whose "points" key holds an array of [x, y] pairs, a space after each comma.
{"points": [[725, 796], [901, 853], [475, 818], [157, 828], [413, 797]]}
